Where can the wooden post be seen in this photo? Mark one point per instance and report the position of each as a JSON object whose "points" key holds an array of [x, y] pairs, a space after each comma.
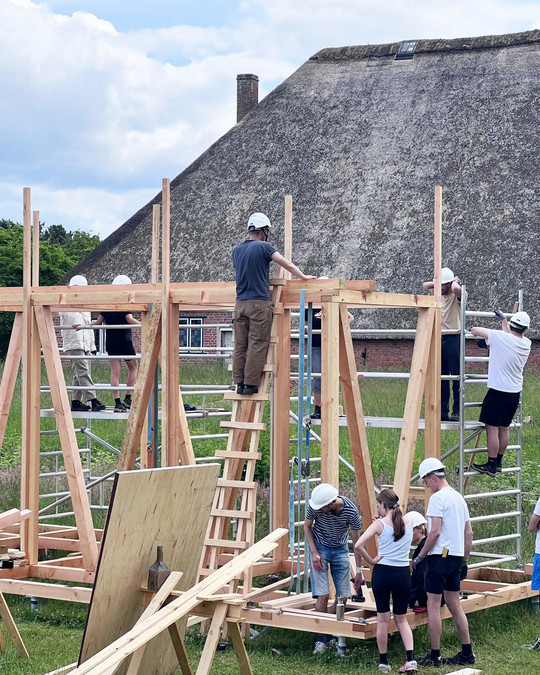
{"points": [[413, 403], [35, 248], [287, 235], [31, 381], [9, 375], [432, 404], [280, 451], [355, 423], [330, 394]]}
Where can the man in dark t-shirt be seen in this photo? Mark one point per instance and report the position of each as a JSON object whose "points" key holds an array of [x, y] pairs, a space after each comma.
{"points": [[252, 320]]}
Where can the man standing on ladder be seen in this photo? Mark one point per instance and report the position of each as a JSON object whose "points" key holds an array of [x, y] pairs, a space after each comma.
{"points": [[252, 319], [450, 333], [509, 350]]}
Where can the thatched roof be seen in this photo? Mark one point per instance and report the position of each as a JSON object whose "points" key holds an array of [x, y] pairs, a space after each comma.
{"points": [[360, 139]]}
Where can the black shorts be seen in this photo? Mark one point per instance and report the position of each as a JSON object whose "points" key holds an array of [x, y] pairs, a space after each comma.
{"points": [[121, 348], [499, 408], [442, 574], [395, 581]]}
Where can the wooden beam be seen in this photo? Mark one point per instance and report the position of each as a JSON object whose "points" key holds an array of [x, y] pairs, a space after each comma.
{"points": [[11, 628], [355, 423], [239, 648], [44, 590], [330, 394], [35, 248], [413, 404], [141, 393], [212, 639], [287, 236], [13, 516], [68, 439], [9, 375]]}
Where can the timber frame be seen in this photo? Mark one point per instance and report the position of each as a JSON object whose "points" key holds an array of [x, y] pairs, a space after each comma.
{"points": [[159, 305]]}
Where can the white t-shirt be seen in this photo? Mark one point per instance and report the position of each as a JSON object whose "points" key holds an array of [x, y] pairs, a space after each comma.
{"points": [[508, 355], [449, 505], [395, 553], [537, 513]]}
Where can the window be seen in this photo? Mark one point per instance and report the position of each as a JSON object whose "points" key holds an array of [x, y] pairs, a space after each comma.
{"points": [[406, 50], [192, 338]]}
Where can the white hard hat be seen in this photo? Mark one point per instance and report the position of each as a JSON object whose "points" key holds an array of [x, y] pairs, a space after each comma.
{"points": [[521, 320], [416, 518], [431, 465], [322, 495], [78, 280], [121, 280], [258, 221], [447, 276]]}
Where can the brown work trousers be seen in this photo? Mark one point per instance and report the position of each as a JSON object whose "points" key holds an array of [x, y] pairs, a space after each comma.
{"points": [[252, 323]]}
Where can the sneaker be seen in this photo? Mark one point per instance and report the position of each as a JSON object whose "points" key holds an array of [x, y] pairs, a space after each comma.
{"points": [[419, 609], [321, 647], [454, 417], [250, 389], [127, 403], [429, 661], [189, 408], [460, 660], [535, 645], [384, 668], [409, 667], [487, 468], [78, 406], [316, 414], [444, 417], [119, 407], [97, 406]]}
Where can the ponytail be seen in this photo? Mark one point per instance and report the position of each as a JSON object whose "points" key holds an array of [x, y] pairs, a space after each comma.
{"points": [[390, 500]]}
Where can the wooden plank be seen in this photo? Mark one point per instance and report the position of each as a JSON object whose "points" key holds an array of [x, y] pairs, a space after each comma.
{"points": [[117, 651], [432, 398], [13, 516], [238, 454], [68, 439], [376, 299], [251, 426], [239, 648], [212, 639], [287, 237], [44, 590], [356, 424], [141, 393], [180, 649], [155, 603], [330, 394], [11, 628], [9, 374], [148, 508], [64, 670], [413, 404]]}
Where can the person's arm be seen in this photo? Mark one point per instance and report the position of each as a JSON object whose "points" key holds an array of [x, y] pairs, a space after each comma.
{"points": [[375, 528], [358, 577], [290, 267], [433, 535], [428, 286], [468, 536], [534, 523], [456, 287], [315, 555], [131, 319], [480, 332], [98, 321]]}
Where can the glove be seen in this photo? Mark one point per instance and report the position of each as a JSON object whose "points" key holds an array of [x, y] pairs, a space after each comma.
{"points": [[499, 314], [416, 561], [481, 343], [464, 570]]}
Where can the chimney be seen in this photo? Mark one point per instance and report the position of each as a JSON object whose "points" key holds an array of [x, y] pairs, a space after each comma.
{"points": [[247, 94]]}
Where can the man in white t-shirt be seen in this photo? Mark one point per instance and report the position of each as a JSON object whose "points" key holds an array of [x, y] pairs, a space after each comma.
{"points": [[509, 350], [446, 550]]}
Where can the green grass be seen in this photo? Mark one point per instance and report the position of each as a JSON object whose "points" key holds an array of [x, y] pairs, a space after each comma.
{"points": [[53, 636]]}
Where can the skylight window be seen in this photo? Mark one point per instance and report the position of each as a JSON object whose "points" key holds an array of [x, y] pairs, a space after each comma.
{"points": [[406, 50]]}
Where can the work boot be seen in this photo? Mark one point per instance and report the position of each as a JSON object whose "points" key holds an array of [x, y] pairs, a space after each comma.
{"points": [[78, 406], [250, 389], [489, 469], [97, 406]]}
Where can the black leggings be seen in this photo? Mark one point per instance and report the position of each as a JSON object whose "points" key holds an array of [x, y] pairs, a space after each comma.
{"points": [[395, 581]]}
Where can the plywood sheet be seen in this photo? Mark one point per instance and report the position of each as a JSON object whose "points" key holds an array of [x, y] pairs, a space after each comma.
{"points": [[167, 507]]}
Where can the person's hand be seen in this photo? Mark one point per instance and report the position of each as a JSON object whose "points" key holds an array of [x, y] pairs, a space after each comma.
{"points": [[358, 583], [457, 280], [317, 562], [463, 571], [76, 326], [309, 276], [499, 314], [377, 559]]}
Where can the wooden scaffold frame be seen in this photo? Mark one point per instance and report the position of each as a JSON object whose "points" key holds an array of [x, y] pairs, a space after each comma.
{"points": [[160, 304]]}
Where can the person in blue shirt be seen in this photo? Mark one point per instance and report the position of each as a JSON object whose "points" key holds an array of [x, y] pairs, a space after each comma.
{"points": [[252, 319]]}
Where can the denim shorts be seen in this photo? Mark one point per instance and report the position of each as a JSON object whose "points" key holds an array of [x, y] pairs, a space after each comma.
{"points": [[535, 581], [337, 558], [316, 368]]}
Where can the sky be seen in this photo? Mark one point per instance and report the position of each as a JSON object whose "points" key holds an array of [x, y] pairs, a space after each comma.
{"points": [[102, 99]]}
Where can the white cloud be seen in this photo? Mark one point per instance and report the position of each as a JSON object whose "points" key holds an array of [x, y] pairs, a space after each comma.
{"points": [[93, 115]]}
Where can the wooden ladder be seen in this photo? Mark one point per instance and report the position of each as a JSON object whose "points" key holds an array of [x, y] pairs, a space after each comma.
{"points": [[235, 498]]}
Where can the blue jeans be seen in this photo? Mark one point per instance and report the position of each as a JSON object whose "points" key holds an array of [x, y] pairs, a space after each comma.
{"points": [[337, 559]]}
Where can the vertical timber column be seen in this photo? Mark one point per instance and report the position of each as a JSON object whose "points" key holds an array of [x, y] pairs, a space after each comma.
{"points": [[31, 383], [432, 401], [330, 394], [281, 430]]}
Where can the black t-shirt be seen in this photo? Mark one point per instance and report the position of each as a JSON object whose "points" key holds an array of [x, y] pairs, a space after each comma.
{"points": [[117, 335], [315, 325]]}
